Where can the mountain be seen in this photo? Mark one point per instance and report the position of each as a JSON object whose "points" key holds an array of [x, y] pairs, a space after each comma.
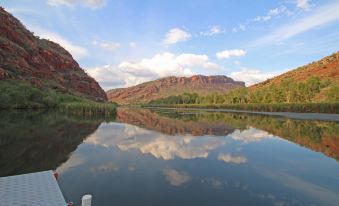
{"points": [[41, 63], [326, 68], [168, 86]]}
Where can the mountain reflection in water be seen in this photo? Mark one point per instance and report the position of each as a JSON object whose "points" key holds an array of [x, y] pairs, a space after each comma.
{"points": [[319, 136]]}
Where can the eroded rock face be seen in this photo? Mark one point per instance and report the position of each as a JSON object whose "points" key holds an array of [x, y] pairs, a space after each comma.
{"points": [[41, 62], [173, 86]]}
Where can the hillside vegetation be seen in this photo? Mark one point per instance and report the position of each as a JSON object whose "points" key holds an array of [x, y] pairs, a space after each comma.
{"points": [[21, 95], [287, 92]]}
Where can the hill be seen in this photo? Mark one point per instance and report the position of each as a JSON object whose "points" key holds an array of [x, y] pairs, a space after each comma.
{"points": [[168, 86], [30, 65], [310, 88], [326, 68]]}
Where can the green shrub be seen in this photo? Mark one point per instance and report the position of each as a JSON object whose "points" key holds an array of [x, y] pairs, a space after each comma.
{"points": [[19, 95], [286, 107]]}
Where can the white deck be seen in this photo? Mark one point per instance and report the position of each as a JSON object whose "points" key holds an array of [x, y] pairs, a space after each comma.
{"points": [[40, 188]]}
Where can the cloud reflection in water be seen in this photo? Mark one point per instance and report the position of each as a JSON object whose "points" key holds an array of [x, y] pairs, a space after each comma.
{"points": [[167, 147]]}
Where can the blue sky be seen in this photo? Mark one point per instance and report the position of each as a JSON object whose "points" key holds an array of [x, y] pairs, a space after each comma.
{"points": [[125, 42]]}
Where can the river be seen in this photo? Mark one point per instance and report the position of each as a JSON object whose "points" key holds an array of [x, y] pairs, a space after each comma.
{"points": [[177, 157]]}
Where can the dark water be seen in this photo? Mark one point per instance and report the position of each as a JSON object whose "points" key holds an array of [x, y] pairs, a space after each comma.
{"points": [[165, 157]]}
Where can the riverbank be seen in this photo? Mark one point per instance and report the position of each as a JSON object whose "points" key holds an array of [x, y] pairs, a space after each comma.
{"points": [[88, 108], [329, 108], [291, 115], [15, 95]]}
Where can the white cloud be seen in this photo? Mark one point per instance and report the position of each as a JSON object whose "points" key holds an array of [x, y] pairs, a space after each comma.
{"points": [[61, 2], [129, 137], [271, 13], [23, 10], [107, 45], [303, 4], [213, 31], [250, 135], [192, 60], [94, 3], [71, 3], [230, 53], [241, 27], [129, 73], [73, 162], [321, 16], [105, 167], [176, 178], [232, 159], [132, 44], [76, 51], [213, 182], [176, 35], [251, 77], [156, 144], [162, 147], [108, 76]]}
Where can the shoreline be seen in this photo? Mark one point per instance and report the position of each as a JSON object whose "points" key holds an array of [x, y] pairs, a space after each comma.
{"points": [[291, 115]]}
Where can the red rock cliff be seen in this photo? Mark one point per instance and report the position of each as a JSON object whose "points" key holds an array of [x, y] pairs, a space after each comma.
{"points": [[168, 86], [41, 62]]}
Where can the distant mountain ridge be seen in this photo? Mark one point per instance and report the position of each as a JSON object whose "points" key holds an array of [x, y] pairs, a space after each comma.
{"points": [[172, 85], [41, 63]]}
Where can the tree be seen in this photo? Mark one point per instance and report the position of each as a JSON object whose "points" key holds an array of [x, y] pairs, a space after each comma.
{"points": [[333, 94]]}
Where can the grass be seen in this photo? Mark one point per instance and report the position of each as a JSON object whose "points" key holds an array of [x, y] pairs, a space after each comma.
{"points": [[16, 94], [283, 107], [88, 109]]}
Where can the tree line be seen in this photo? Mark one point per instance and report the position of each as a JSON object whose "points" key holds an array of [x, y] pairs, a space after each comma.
{"points": [[288, 91]]}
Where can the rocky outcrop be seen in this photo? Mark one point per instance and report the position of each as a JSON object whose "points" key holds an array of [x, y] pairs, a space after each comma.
{"points": [[41, 62], [173, 86]]}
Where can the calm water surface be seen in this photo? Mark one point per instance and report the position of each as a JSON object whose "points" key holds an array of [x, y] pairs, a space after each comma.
{"points": [[167, 157]]}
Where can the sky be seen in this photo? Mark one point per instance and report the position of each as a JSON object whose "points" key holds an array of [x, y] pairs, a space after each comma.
{"points": [[126, 42]]}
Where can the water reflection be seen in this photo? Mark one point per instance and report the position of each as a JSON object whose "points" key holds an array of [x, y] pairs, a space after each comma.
{"points": [[130, 137], [35, 141], [171, 124], [176, 178], [167, 158], [316, 135], [228, 158], [162, 157]]}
